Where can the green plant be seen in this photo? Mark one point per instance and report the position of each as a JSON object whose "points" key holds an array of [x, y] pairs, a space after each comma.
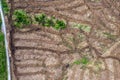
{"points": [[49, 21], [77, 62], [21, 19], [59, 24], [83, 61], [40, 18], [44, 20], [3, 67], [5, 7]]}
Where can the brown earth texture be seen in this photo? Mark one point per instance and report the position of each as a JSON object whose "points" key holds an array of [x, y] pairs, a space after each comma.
{"points": [[40, 53]]}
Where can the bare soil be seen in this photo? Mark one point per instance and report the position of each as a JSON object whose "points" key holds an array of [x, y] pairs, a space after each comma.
{"points": [[40, 53]]}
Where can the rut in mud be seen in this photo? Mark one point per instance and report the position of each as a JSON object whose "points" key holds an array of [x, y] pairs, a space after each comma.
{"points": [[42, 53]]}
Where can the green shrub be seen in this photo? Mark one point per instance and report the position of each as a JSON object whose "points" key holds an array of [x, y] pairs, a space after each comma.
{"points": [[5, 7], [40, 18], [44, 20], [59, 25], [49, 21], [3, 67], [21, 19]]}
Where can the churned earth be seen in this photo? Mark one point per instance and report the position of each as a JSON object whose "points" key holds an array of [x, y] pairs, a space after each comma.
{"points": [[40, 53]]}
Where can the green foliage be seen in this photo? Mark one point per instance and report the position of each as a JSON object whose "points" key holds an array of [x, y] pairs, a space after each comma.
{"points": [[5, 7], [0, 22], [83, 27], [1, 37], [59, 25], [50, 21], [3, 70], [40, 18], [83, 61], [21, 19]]}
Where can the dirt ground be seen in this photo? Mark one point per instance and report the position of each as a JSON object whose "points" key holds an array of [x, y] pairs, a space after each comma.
{"points": [[40, 53]]}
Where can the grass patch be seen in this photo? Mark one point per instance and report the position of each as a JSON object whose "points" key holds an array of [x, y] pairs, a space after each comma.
{"points": [[82, 27], [92, 64], [5, 7], [83, 61], [3, 67]]}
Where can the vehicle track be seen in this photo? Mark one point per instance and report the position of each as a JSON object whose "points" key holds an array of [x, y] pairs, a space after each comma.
{"points": [[41, 53]]}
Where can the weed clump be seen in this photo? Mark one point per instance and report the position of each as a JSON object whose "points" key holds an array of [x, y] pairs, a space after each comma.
{"points": [[21, 19], [83, 61], [44, 20], [59, 24], [5, 7]]}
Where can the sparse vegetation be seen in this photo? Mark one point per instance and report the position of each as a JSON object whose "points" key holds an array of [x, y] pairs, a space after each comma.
{"points": [[94, 65], [83, 61], [21, 19], [82, 27], [109, 35]]}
